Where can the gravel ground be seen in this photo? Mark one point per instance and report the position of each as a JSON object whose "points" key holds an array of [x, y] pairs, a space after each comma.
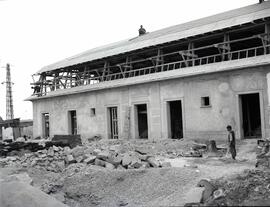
{"points": [[151, 187], [160, 187]]}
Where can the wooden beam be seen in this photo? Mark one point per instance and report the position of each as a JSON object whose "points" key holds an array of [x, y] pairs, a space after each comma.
{"points": [[188, 54]]}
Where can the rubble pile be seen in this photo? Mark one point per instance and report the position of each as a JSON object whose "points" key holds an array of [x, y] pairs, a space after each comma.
{"points": [[57, 158], [211, 195], [263, 158], [19, 146], [250, 188]]}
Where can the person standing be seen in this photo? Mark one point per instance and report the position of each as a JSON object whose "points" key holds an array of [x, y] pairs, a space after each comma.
{"points": [[231, 141]]}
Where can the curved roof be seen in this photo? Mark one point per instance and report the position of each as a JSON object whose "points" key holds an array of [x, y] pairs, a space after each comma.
{"points": [[220, 21]]}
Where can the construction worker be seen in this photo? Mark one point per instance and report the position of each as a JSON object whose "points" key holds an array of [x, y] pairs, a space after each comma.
{"points": [[142, 31], [231, 142]]}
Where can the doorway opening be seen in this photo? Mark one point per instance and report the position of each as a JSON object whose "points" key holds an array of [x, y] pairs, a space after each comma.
{"points": [[175, 126], [46, 125], [73, 123], [251, 115], [142, 121], [113, 123]]}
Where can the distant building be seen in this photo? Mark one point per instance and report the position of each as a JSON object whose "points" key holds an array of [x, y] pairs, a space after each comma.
{"points": [[14, 128], [190, 80]]}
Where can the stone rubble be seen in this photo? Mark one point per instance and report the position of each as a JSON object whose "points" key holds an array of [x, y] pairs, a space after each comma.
{"points": [[263, 158], [57, 158]]}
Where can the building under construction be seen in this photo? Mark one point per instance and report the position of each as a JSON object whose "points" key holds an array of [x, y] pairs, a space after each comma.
{"points": [[190, 80]]}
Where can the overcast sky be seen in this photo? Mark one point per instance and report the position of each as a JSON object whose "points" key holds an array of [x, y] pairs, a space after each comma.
{"points": [[35, 33]]}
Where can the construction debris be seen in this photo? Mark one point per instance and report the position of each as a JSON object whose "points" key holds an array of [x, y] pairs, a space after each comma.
{"points": [[211, 195], [57, 158], [263, 158], [250, 188]]}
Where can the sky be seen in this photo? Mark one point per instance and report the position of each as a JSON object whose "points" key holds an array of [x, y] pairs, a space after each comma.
{"points": [[36, 33]]}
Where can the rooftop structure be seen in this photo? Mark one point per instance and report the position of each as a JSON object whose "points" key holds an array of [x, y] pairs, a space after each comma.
{"points": [[218, 38], [190, 80]]}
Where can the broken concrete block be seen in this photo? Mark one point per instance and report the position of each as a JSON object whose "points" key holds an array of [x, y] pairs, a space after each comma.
{"points": [[141, 150], [42, 155], [12, 158], [136, 163], [126, 159], [109, 165], [100, 162], [104, 155], [194, 195], [34, 162], [55, 148], [142, 157], [96, 151], [120, 167], [145, 165], [153, 162], [79, 159], [88, 150], [70, 159], [89, 159], [50, 152], [44, 151], [115, 160], [61, 165], [77, 151], [67, 150]]}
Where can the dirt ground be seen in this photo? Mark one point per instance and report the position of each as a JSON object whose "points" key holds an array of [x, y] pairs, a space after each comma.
{"points": [[86, 186]]}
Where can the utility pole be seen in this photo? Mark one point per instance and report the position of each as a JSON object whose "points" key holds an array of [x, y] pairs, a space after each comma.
{"points": [[9, 100]]}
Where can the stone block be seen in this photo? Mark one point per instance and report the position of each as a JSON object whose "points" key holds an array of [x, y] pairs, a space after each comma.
{"points": [[50, 152], [33, 163], [12, 159], [100, 162], [61, 165], [104, 155], [109, 165], [70, 159], [42, 155], [145, 164], [89, 159], [126, 160], [77, 151], [136, 163], [96, 151], [79, 159], [55, 148], [115, 160], [88, 150], [142, 157], [153, 162], [120, 167], [67, 150]]}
